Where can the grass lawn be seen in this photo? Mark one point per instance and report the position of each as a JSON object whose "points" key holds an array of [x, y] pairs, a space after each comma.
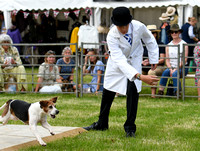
{"points": [[163, 124]]}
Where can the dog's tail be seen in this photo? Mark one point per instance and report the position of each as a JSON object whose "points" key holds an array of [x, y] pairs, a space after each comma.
{"points": [[5, 104]]}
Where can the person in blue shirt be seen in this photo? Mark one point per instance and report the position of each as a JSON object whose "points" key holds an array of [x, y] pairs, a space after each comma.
{"points": [[66, 67], [96, 69]]}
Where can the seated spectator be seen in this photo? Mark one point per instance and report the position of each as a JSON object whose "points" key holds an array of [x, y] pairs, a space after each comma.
{"points": [[11, 65], [146, 66], [171, 59], [96, 69], [48, 76], [66, 67], [197, 74], [160, 68]]}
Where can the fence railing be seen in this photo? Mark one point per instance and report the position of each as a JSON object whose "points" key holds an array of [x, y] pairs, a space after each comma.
{"points": [[32, 60], [165, 67], [185, 93]]}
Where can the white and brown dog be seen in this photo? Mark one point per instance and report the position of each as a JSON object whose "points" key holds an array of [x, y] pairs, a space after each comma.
{"points": [[30, 114]]}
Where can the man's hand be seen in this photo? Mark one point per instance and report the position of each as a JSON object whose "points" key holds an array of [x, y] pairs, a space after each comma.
{"points": [[149, 79]]}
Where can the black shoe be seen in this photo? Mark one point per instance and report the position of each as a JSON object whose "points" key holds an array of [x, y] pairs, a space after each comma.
{"points": [[96, 126], [130, 134]]}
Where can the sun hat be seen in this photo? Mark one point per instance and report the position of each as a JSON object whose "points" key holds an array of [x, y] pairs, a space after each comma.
{"points": [[164, 17], [102, 29], [121, 16], [153, 28], [5, 37], [170, 11], [175, 27]]}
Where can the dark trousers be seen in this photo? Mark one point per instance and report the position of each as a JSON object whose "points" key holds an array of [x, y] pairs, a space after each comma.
{"points": [[131, 106], [190, 54]]}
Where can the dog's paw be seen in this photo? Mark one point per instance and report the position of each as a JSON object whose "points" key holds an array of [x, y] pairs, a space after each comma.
{"points": [[43, 144], [4, 123], [52, 133]]}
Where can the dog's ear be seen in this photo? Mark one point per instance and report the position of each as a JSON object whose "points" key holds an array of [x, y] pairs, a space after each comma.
{"points": [[54, 99], [43, 104]]}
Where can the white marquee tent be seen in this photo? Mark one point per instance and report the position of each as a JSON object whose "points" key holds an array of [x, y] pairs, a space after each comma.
{"points": [[59, 4]]}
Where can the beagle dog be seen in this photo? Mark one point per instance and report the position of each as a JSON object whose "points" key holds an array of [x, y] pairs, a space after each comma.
{"points": [[31, 114]]}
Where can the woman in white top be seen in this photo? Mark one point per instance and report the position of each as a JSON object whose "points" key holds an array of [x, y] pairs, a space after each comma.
{"points": [[171, 59]]}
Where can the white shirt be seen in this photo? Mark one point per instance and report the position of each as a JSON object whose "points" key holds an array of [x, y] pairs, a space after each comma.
{"points": [[173, 53], [190, 32], [88, 34]]}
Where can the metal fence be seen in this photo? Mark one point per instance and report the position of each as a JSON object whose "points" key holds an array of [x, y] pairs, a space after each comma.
{"points": [[165, 67], [31, 63], [186, 94], [79, 81]]}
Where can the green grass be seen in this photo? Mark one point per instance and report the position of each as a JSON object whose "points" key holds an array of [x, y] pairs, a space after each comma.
{"points": [[163, 124]]}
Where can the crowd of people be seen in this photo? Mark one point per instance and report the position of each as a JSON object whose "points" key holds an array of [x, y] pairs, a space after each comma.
{"points": [[172, 35], [58, 76], [53, 77]]}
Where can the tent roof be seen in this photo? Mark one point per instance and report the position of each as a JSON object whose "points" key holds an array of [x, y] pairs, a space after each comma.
{"points": [[72, 4], [43, 4], [5, 5], [193, 2], [138, 4], [146, 3]]}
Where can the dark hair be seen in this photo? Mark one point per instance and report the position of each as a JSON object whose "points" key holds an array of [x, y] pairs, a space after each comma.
{"points": [[95, 53], [157, 35], [73, 15], [85, 19]]}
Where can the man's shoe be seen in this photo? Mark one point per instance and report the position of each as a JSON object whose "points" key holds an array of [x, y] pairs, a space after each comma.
{"points": [[96, 126], [130, 134]]}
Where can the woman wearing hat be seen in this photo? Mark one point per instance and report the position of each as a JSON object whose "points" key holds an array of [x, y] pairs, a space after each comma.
{"points": [[164, 38], [161, 62], [124, 67], [172, 52], [172, 13]]}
